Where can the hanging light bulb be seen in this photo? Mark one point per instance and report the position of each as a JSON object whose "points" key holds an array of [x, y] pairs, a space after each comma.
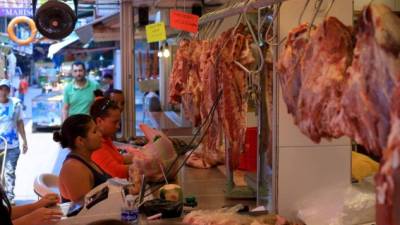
{"points": [[166, 52], [160, 52]]}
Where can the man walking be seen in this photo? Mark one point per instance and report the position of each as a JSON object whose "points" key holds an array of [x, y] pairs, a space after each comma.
{"points": [[78, 94], [11, 123]]}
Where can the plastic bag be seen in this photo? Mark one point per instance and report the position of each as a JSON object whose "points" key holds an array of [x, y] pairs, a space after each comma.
{"points": [[339, 205], [158, 153]]}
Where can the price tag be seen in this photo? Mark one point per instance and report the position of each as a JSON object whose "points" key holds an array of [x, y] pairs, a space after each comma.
{"points": [[184, 21], [156, 32]]}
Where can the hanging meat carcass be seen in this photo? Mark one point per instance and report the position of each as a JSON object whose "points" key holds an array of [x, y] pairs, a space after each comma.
{"points": [[140, 63], [373, 75], [214, 72], [370, 99], [327, 55], [148, 64], [313, 74], [289, 68], [155, 65], [211, 152], [388, 179], [191, 95], [180, 72], [233, 83], [380, 33]]}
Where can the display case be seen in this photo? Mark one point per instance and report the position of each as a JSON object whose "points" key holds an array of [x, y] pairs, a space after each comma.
{"points": [[46, 111]]}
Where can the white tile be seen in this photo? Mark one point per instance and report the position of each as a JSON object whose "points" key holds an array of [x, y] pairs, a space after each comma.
{"points": [[303, 171]]}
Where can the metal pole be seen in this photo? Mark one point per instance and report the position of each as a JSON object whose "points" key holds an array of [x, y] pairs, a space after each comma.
{"points": [[235, 10], [275, 119], [127, 46], [262, 143]]}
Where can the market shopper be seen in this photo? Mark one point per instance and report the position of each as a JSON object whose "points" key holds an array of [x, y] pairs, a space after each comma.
{"points": [[118, 97], [36, 213], [107, 114], [22, 90], [79, 174], [11, 123], [108, 80], [78, 94]]}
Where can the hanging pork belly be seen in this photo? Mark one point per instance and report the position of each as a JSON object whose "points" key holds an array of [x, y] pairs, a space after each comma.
{"points": [[202, 71]]}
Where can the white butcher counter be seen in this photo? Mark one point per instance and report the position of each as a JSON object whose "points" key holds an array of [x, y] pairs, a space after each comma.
{"points": [[206, 185]]}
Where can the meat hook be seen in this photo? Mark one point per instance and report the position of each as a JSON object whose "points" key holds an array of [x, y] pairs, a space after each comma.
{"points": [[274, 17], [302, 12], [316, 10], [329, 8]]}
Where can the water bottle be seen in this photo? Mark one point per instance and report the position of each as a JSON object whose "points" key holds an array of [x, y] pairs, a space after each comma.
{"points": [[129, 212]]}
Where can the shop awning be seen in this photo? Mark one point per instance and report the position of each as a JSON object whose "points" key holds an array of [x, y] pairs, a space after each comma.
{"points": [[54, 48], [86, 32]]}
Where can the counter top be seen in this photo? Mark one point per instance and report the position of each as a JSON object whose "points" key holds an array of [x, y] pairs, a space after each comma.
{"points": [[208, 186]]}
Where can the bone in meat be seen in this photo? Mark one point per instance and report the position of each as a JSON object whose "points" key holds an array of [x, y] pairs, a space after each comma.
{"points": [[327, 55]]}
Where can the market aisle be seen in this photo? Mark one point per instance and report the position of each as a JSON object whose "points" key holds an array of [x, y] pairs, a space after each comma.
{"points": [[42, 156]]}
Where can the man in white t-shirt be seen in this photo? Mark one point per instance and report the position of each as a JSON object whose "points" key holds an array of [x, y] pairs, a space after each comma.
{"points": [[11, 123]]}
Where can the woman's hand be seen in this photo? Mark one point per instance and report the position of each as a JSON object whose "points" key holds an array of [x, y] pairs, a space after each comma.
{"points": [[44, 216], [48, 200]]}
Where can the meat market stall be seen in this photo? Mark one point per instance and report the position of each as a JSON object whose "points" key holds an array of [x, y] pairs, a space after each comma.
{"points": [[314, 65], [312, 76]]}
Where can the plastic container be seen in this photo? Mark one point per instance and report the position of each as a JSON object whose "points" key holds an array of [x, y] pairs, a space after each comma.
{"points": [[129, 212], [248, 159]]}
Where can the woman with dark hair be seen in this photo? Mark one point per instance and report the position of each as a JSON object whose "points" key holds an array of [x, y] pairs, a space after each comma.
{"points": [[79, 174], [106, 113], [30, 214]]}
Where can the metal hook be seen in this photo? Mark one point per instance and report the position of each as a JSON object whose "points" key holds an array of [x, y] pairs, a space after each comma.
{"points": [[329, 8], [274, 17], [316, 10], [303, 11], [255, 39]]}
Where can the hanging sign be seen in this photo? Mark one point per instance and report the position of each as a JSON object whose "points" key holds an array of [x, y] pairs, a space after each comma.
{"points": [[13, 12], [156, 32], [184, 21]]}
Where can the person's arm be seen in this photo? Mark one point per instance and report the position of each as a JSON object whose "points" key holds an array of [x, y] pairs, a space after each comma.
{"points": [[47, 201], [21, 131], [76, 179], [40, 216], [106, 161], [66, 105], [19, 211], [65, 112]]}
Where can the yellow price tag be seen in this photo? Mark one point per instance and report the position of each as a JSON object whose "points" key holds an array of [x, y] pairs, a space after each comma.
{"points": [[156, 32]]}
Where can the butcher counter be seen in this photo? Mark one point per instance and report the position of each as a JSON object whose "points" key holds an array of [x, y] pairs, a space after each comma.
{"points": [[208, 186]]}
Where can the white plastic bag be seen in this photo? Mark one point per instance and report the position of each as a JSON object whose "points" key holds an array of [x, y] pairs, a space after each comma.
{"points": [[339, 205]]}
